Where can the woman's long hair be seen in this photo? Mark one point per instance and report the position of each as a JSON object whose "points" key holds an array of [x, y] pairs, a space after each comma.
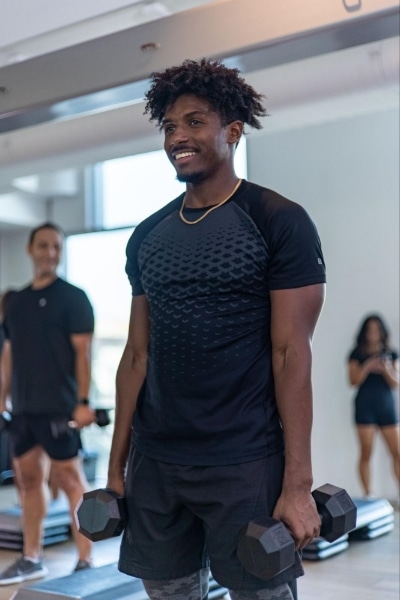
{"points": [[361, 338]]}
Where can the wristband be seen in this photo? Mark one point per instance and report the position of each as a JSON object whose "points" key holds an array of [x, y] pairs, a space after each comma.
{"points": [[83, 402]]}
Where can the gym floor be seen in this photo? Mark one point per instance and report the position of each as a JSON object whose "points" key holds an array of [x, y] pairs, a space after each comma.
{"points": [[367, 570]]}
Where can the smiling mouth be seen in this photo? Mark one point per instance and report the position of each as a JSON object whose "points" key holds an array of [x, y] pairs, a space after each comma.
{"points": [[180, 155]]}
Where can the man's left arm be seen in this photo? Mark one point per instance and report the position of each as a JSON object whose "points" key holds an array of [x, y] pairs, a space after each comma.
{"points": [[82, 345], [294, 314]]}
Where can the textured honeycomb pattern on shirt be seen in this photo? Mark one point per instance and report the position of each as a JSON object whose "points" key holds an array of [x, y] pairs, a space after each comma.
{"points": [[206, 285]]}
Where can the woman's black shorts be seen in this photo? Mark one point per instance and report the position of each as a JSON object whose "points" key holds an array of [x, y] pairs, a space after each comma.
{"points": [[376, 411]]}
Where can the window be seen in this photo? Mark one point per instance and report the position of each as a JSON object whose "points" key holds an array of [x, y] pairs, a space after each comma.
{"points": [[96, 263]]}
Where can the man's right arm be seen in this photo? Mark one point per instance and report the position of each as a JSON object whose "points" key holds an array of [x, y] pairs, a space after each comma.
{"points": [[131, 374], [5, 374]]}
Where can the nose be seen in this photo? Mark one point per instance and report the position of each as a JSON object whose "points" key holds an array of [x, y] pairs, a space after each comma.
{"points": [[178, 137], [52, 251]]}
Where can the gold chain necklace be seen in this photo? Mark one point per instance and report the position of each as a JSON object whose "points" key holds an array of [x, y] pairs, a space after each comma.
{"points": [[207, 211]]}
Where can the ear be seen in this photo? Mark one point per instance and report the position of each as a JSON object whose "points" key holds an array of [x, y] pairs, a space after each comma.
{"points": [[234, 132]]}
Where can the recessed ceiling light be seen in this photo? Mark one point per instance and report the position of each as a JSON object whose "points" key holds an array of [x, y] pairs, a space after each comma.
{"points": [[150, 47]]}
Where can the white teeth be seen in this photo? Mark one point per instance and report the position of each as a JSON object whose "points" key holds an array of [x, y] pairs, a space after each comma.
{"points": [[183, 155]]}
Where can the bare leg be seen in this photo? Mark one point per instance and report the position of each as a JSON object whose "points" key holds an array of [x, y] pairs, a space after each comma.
{"points": [[390, 434], [366, 434], [31, 470], [70, 476], [53, 484]]}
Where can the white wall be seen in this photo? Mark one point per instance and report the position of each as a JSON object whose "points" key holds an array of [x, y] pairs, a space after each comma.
{"points": [[15, 266], [346, 174]]}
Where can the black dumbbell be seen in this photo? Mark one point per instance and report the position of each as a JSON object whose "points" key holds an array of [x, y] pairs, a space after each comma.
{"points": [[102, 416], [101, 514], [267, 549]]}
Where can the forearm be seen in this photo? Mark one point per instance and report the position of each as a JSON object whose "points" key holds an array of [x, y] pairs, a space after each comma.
{"points": [[293, 388], [130, 377], [83, 372], [5, 375], [3, 395], [358, 373], [82, 415], [294, 314]]}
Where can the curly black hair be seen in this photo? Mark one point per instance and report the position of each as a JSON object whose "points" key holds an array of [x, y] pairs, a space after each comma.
{"points": [[228, 94]]}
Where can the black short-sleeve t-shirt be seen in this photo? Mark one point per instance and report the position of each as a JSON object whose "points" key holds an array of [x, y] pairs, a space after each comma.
{"points": [[374, 388], [39, 324], [209, 397]]}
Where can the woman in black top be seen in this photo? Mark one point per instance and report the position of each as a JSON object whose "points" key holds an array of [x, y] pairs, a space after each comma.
{"points": [[374, 370]]}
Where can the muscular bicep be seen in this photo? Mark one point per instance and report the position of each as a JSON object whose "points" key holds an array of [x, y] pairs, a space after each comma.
{"points": [[139, 326], [132, 368], [133, 363], [294, 314]]}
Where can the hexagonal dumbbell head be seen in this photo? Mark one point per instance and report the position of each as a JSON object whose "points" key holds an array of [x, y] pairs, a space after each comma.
{"points": [[101, 514], [337, 511], [265, 550]]}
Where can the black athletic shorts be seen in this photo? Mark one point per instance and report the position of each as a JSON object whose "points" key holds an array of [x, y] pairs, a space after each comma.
{"points": [[185, 518], [376, 411], [52, 432]]}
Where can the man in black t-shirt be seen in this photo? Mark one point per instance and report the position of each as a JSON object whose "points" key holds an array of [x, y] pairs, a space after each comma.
{"points": [[228, 283], [46, 374]]}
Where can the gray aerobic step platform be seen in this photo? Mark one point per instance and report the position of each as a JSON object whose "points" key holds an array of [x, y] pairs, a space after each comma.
{"points": [[320, 549], [56, 525], [374, 518], [100, 583], [371, 510]]}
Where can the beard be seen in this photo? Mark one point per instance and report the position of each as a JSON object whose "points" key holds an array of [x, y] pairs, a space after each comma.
{"points": [[191, 177]]}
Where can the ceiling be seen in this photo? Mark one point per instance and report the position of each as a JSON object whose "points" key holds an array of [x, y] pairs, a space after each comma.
{"points": [[26, 34], [60, 111]]}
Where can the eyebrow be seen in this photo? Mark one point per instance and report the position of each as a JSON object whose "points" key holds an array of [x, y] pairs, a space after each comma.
{"points": [[187, 115]]}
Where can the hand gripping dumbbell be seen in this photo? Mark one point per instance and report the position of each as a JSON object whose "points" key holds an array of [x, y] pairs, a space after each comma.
{"points": [[61, 426], [102, 418], [267, 549], [101, 514]]}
